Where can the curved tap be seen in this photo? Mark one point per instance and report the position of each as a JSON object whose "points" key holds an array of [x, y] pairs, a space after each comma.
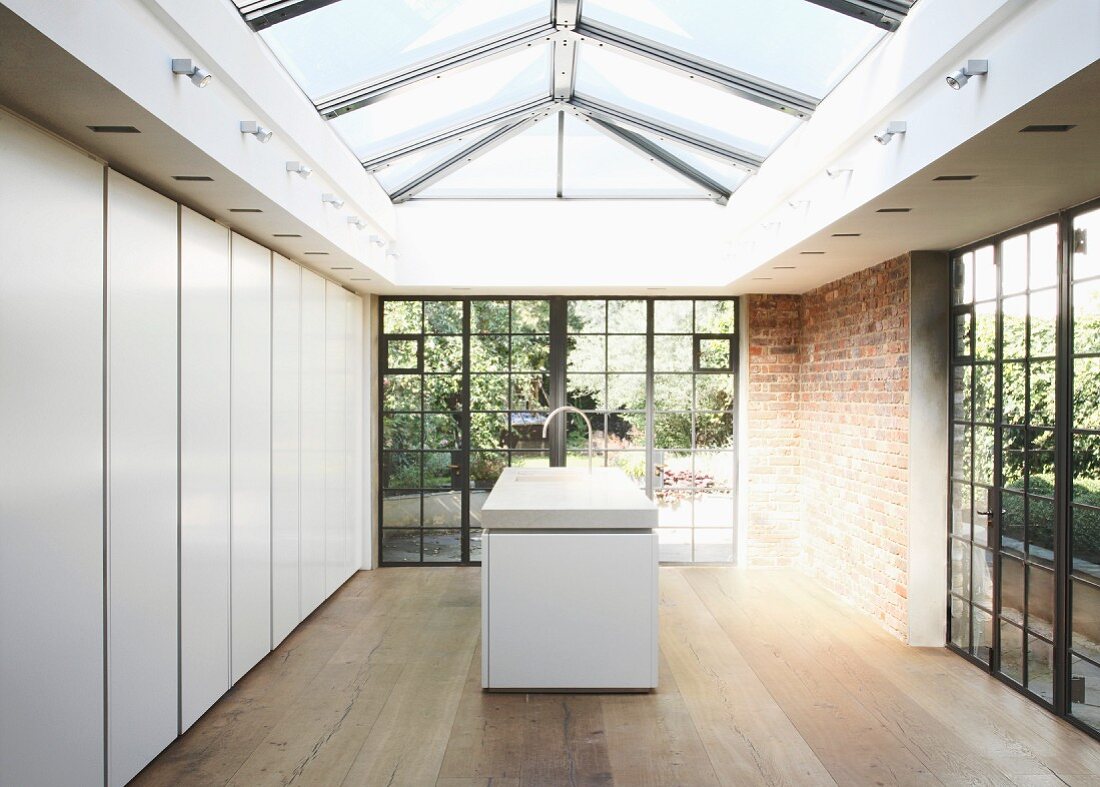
{"points": [[570, 409]]}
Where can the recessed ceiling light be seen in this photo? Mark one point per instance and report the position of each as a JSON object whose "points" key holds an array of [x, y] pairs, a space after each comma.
{"points": [[846, 234], [811, 252], [114, 129], [955, 177], [783, 268], [319, 253], [360, 278], [286, 235], [893, 210], [761, 278], [341, 268], [193, 178], [656, 289], [245, 210], [1047, 128]]}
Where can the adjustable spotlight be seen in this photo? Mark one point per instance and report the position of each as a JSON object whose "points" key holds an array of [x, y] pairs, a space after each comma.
{"points": [[184, 67], [392, 251], [299, 167], [357, 222], [377, 240], [258, 131], [973, 68], [332, 200], [893, 128], [795, 204], [836, 173]]}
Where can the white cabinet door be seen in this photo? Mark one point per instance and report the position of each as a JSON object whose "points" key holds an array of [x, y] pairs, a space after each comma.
{"points": [[354, 446], [51, 460], [335, 434], [313, 442], [570, 610], [250, 548], [142, 659], [204, 464], [286, 380]]}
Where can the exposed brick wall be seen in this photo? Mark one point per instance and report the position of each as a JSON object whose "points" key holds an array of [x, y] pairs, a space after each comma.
{"points": [[854, 411], [828, 440], [774, 504]]}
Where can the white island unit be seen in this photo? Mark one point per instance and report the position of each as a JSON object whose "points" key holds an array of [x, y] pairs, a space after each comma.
{"points": [[569, 582]]}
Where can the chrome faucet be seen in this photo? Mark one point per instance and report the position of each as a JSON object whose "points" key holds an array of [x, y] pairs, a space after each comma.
{"points": [[570, 409]]}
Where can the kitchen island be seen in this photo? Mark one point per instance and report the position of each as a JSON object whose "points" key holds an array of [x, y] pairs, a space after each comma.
{"points": [[569, 582]]}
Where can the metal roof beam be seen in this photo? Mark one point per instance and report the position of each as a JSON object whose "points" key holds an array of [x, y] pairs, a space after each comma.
{"points": [[739, 83], [662, 158], [463, 157], [887, 14], [363, 94], [624, 117], [538, 108], [564, 16], [263, 14]]}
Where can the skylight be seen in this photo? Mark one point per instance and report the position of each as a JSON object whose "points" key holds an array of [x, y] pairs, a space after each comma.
{"points": [[546, 98]]}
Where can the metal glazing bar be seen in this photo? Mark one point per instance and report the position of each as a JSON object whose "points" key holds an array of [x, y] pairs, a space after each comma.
{"points": [[887, 14], [464, 157], [564, 65], [565, 14], [365, 93], [265, 13], [739, 83], [623, 117], [529, 109], [662, 158]]}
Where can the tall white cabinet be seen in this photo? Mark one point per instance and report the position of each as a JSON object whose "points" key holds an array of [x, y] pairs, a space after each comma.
{"points": [[51, 460], [204, 464], [312, 443], [250, 445], [336, 320], [142, 587]]}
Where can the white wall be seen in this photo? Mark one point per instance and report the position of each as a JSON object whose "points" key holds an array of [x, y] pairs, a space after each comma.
{"points": [[51, 461], [142, 512], [95, 559]]}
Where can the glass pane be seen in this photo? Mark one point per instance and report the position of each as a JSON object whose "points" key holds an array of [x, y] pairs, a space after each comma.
{"points": [[443, 354], [524, 166], [488, 392], [595, 164], [1086, 257], [672, 391], [1040, 529], [489, 353], [985, 331], [672, 430], [485, 468], [983, 455], [1012, 652], [440, 470], [1086, 315], [981, 578], [454, 97], [715, 316], [982, 624], [960, 510], [626, 353], [626, 316], [625, 430], [985, 391], [672, 317], [714, 430], [399, 172], [713, 545], [443, 317], [1040, 461], [1040, 601], [1040, 668], [1014, 327], [402, 354], [715, 354], [358, 40], [400, 469], [1086, 393], [960, 451], [1086, 539], [961, 409], [586, 353], [586, 316], [714, 391], [400, 546], [962, 279], [586, 391], [963, 332], [441, 509], [1013, 458], [401, 431], [1084, 692], [442, 392], [401, 392], [442, 431], [530, 316], [401, 509], [1013, 521], [489, 316], [713, 469], [1085, 618], [1044, 313], [630, 462], [960, 624], [1012, 590], [674, 544], [488, 430], [530, 353], [626, 392], [985, 274], [672, 353], [714, 508], [402, 317], [1014, 393], [1014, 265], [720, 170], [1043, 248], [530, 392], [960, 567], [1041, 391], [819, 46], [1086, 469], [442, 546], [674, 99]]}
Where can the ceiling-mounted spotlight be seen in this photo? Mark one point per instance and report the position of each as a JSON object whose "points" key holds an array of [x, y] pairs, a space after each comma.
{"points": [[893, 128], [256, 130], [391, 251], [332, 200], [795, 204], [973, 68], [184, 67], [357, 222], [836, 173], [299, 167], [377, 240]]}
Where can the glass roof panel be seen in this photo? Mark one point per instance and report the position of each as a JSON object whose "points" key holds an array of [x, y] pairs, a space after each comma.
{"points": [[728, 175], [354, 41], [595, 165], [397, 173], [524, 166], [676, 100], [455, 97], [792, 43]]}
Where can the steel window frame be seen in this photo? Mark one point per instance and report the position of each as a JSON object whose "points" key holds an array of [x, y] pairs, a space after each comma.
{"points": [[262, 14], [886, 14]]}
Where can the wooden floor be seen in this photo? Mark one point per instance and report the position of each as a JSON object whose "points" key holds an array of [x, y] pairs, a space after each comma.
{"points": [[765, 679]]}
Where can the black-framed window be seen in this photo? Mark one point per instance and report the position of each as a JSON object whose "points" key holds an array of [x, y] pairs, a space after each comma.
{"points": [[467, 383], [1024, 529]]}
